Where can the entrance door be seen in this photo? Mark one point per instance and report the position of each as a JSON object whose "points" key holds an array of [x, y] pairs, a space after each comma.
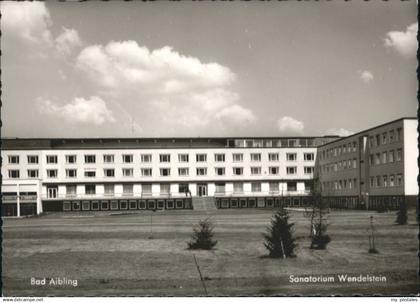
{"points": [[202, 190]]}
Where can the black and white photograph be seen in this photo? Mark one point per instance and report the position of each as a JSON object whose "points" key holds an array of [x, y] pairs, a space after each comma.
{"points": [[209, 149]]}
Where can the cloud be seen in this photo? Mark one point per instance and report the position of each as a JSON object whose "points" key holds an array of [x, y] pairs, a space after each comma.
{"points": [[289, 125], [403, 42], [339, 132], [28, 21], [27, 25], [170, 93], [67, 41], [80, 111], [236, 115], [366, 76]]}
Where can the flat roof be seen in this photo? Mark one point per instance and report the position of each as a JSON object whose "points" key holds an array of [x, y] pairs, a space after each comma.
{"points": [[369, 129], [139, 143]]}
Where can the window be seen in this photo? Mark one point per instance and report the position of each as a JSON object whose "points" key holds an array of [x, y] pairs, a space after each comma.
{"points": [[385, 180], [127, 189], [13, 159], [219, 157], [33, 173], [220, 171], [165, 188], [399, 180], [238, 157], [384, 157], [378, 181], [90, 189], [255, 156], [128, 172], [255, 187], [399, 154], [52, 173], [109, 189], [201, 171], [371, 160], [71, 173], [183, 188], [377, 159], [354, 146], [291, 186], [398, 137], [51, 159], [14, 173], [71, 190], [273, 156], [273, 170], [291, 156], [146, 172], [90, 159], [109, 172], [146, 158], [384, 138], [291, 170], [164, 158], [371, 141], [201, 157], [90, 173], [372, 182], [391, 136], [32, 159], [310, 156], [255, 170], [354, 163], [70, 159], [183, 171], [127, 158], [220, 188], [108, 158], [183, 158], [238, 171], [391, 180], [274, 187], [391, 156], [238, 187], [378, 140], [165, 171], [308, 170]]}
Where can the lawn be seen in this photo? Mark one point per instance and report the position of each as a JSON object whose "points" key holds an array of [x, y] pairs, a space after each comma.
{"points": [[112, 255]]}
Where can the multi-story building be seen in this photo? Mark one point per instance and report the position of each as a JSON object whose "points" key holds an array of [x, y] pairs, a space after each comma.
{"points": [[374, 166], [162, 173]]}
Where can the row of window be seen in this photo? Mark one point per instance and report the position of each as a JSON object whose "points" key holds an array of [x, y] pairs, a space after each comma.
{"points": [[339, 185], [391, 180], [388, 137], [147, 172], [128, 189], [385, 157], [163, 158], [337, 151], [340, 165]]}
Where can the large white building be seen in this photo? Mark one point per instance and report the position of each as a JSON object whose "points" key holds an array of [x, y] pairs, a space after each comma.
{"points": [[41, 175]]}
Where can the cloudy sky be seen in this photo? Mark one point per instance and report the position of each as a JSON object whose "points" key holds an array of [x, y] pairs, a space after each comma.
{"points": [[98, 69]]}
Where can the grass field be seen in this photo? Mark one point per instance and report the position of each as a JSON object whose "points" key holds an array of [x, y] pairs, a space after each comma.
{"points": [[112, 255]]}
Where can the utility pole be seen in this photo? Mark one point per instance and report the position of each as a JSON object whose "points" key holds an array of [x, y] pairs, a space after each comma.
{"points": [[201, 276], [372, 248]]}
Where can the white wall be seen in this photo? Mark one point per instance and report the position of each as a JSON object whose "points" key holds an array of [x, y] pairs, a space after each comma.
{"points": [[411, 153]]}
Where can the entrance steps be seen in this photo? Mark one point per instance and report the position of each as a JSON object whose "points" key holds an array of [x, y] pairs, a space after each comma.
{"points": [[204, 203]]}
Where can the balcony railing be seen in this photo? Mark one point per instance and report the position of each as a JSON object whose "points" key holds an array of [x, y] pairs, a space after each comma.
{"points": [[126, 195], [261, 193]]}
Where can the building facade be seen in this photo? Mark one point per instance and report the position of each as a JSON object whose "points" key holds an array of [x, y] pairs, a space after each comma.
{"points": [[43, 175], [372, 169]]}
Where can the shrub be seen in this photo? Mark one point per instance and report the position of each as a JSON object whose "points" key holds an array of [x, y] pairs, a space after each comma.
{"points": [[202, 237], [279, 239]]}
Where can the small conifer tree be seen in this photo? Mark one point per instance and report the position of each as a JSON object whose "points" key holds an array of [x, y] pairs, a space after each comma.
{"points": [[279, 239], [402, 214], [202, 237]]}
